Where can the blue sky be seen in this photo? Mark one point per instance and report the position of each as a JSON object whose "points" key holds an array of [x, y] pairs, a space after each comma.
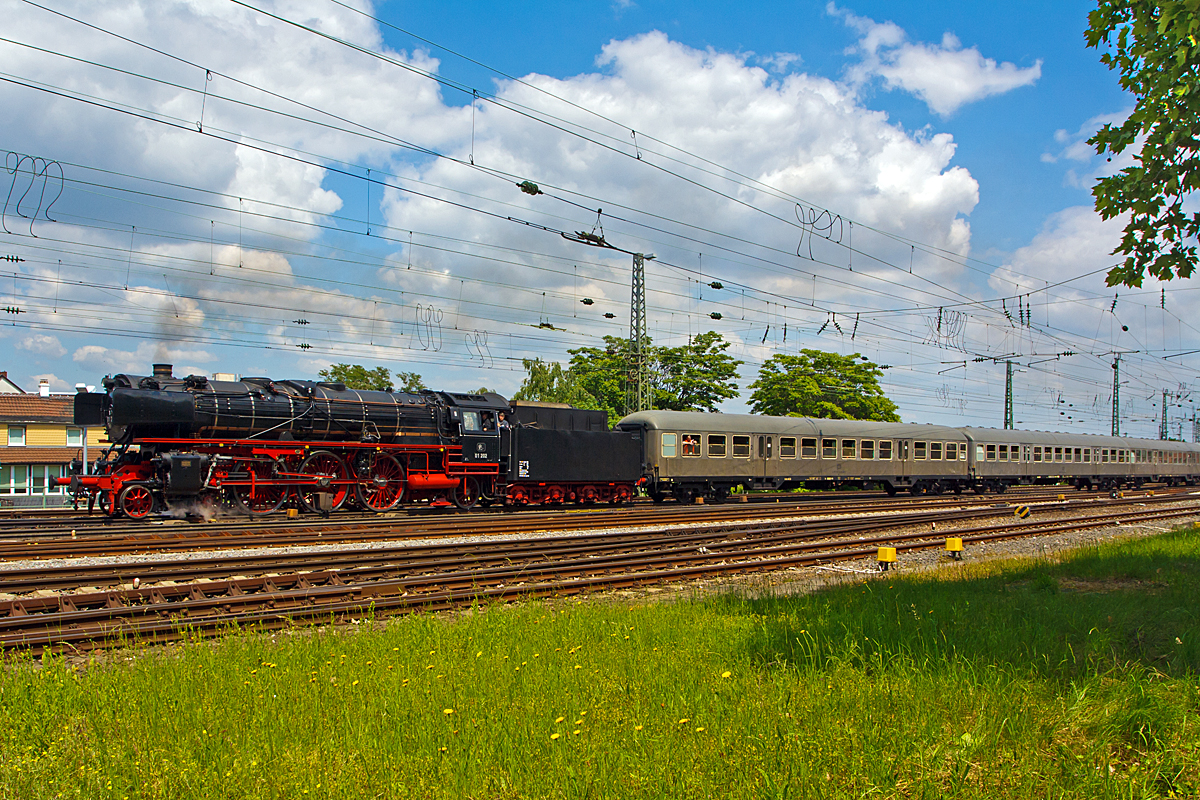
{"points": [[220, 222]]}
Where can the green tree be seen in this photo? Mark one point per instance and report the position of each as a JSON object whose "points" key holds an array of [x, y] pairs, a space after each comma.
{"points": [[695, 376], [358, 377], [552, 383], [1154, 45], [410, 382], [823, 385], [603, 374]]}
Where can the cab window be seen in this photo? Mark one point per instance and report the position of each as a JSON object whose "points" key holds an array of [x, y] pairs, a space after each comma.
{"points": [[470, 422]]}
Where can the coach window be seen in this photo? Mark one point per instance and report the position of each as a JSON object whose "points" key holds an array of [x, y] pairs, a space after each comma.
{"points": [[979, 452], [808, 448], [669, 441], [920, 450], [829, 448], [848, 448], [691, 444], [1037, 454], [1002, 455], [991, 452], [1104, 455], [1087, 455], [952, 451], [1121, 456], [741, 447], [787, 446], [716, 445], [885, 450], [866, 449], [1078, 455], [935, 451]]}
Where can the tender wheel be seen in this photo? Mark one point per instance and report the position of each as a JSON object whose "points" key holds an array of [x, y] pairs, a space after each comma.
{"points": [[258, 500], [325, 464], [384, 487], [136, 501], [466, 494]]}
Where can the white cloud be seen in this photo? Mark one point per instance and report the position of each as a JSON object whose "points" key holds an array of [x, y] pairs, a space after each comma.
{"points": [[43, 345], [945, 76]]}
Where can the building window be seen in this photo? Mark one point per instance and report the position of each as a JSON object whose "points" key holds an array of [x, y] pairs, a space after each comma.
{"points": [[741, 447], [16, 436], [787, 446], [829, 448], [74, 437], [885, 450], [14, 479], [716, 445], [669, 442], [808, 448], [691, 444], [919, 450], [866, 449]]}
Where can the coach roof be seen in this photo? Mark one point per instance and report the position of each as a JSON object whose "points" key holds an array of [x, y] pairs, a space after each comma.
{"points": [[697, 422]]}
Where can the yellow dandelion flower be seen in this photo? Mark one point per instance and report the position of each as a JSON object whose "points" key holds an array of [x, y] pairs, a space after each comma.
{"points": [[245, 683], [583, 713], [638, 727], [253, 672], [447, 711], [579, 722], [536, 655], [726, 674], [354, 684], [684, 721], [699, 730], [575, 732], [395, 649], [560, 719], [429, 667], [369, 663], [441, 749], [554, 736], [480, 653], [578, 667]]}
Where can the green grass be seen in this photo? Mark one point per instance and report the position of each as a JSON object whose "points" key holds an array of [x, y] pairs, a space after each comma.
{"points": [[1030, 679]]}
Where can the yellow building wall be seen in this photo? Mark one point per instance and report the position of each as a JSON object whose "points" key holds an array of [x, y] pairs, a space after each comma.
{"points": [[39, 435]]}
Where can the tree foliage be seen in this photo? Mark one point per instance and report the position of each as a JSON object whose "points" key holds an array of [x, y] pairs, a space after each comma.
{"points": [[1155, 47], [552, 383], [359, 377], [410, 382], [696, 376], [823, 385]]}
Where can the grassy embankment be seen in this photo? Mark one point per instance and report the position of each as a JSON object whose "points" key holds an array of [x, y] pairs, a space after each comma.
{"points": [[1074, 679]]}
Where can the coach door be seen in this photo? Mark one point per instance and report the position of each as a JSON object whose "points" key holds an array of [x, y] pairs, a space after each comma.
{"points": [[904, 457], [765, 448]]}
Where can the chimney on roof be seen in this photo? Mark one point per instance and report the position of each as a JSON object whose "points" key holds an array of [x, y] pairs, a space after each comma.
{"points": [[44, 388], [80, 388], [162, 370]]}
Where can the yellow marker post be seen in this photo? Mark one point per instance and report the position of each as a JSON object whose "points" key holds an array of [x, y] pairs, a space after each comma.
{"points": [[954, 547], [1021, 511], [886, 557], [293, 513], [1062, 498]]}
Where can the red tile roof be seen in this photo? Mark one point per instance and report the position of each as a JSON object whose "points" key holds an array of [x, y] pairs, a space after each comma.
{"points": [[35, 408], [43, 455]]}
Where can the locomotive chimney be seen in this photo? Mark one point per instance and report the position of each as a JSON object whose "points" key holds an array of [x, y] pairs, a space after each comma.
{"points": [[162, 370]]}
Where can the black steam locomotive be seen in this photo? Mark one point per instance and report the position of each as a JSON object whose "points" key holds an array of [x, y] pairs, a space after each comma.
{"points": [[260, 445]]}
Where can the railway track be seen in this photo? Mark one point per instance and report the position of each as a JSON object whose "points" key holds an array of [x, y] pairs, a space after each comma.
{"points": [[205, 596], [98, 539]]}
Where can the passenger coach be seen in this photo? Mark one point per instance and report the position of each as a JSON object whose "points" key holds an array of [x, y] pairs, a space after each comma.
{"points": [[691, 455]]}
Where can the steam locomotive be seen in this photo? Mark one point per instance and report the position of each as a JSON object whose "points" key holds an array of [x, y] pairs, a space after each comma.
{"points": [[196, 444]]}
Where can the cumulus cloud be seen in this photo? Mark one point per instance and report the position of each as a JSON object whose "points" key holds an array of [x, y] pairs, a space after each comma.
{"points": [[43, 345], [945, 76]]}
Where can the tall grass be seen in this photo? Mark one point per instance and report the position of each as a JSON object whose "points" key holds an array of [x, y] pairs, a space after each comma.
{"points": [[1075, 679]]}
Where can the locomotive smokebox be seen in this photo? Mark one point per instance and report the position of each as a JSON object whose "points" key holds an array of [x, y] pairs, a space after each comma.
{"points": [[163, 370]]}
